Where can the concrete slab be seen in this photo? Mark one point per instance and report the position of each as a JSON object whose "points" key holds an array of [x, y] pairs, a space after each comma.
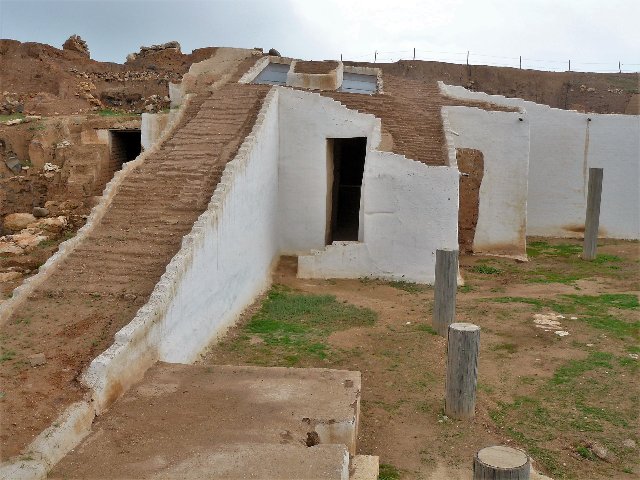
{"points": [[191, 418], [265, 462], [364, 467]]}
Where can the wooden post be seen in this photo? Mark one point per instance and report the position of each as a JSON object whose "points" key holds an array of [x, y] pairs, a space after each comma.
{"points": [[414, 53], [467, 58], [446, 283], [569, 65], [375, 56], [462, 370], [501, 463], [592, 221], [520, 62], [340, 57], [619, 66]]}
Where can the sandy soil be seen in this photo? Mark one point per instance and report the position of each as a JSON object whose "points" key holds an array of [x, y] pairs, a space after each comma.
{"points": [[403, 365]]}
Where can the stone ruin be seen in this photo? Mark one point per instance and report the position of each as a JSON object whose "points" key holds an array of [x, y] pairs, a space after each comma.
{"points": [[75, 43]]}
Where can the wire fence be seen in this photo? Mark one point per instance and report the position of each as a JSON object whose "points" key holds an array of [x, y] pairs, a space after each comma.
{"points": [[472, 58]]}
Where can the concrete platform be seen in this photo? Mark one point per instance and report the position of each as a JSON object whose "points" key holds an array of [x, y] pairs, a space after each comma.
{"points": [[186, 421]]}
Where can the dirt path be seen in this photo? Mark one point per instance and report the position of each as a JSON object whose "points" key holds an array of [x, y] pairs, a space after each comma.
{"points": [[520, 401]]}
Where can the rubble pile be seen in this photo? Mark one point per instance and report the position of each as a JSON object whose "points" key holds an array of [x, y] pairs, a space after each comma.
{"points": [[173, 45], [10, 102], [76, 44]]}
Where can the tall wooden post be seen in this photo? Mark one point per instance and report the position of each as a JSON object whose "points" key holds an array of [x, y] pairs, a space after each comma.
{"points": [[446, 283], [462, 370], [592, 221], [501, 463]]}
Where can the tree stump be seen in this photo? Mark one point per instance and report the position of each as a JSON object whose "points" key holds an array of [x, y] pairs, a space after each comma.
{"points": [[445, 285], [501, 463], [462, 370]]}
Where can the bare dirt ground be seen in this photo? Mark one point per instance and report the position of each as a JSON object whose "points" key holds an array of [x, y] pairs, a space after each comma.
{"points": [[570, 401]]}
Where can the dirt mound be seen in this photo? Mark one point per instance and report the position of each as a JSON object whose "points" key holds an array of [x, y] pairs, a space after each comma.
{"points": [[586, 92], [43, 80]]}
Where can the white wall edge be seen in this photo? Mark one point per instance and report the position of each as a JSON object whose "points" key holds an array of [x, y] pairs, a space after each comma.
{"points": [[136, 344]]}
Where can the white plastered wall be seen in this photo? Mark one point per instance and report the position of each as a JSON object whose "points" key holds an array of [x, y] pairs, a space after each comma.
{"points": [[153, 125], [223, 264], [503, 138], [563, 146], [306, 121], [410, 211]]}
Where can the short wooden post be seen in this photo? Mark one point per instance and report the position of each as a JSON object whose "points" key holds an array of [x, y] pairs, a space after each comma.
{"points": [[592, 221], [462, 370], [501, 463], [446, 283]]}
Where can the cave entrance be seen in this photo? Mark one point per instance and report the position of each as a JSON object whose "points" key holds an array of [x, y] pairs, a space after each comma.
{"points": [[345, 168], [125, 146]]}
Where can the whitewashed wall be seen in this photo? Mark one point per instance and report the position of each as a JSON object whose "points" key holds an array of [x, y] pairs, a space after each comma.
{"points": [[306, 121], [564, 145], [504, 140], [223, 264], [410, 211], [153, 125], [234, 246]]}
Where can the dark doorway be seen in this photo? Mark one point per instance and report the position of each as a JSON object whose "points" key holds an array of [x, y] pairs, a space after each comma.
{"points": [[125, 146], [346, 167]]}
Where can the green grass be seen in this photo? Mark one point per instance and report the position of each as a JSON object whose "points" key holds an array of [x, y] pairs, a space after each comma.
{"points": [[535, 249], [538, 303], [13, 116], [575, 368], [568, 267], [295, 326], [575, 400], [598, 311], [485, 269], [48, 243], [7, 355], [423, 327], [505, 347], [408, 286], [108, 112], [388, 472], [584, 452]]}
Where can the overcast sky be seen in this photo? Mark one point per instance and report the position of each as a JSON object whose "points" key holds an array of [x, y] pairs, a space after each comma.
{"points": [[594, 34]]}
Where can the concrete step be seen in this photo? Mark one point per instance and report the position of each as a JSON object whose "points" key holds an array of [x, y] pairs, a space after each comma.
{"points": [[186, 418], [244, 461], [364, 467]]}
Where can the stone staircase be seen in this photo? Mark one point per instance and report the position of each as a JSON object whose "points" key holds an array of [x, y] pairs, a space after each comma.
{"points": [[410, 113], [73, 315]]}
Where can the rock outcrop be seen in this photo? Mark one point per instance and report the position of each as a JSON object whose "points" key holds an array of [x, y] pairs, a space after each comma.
{"points": [[76, 44], [173, 45]]}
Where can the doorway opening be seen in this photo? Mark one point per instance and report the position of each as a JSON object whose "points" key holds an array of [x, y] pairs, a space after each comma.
{"points": [[125, 146], [345, 168]]}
